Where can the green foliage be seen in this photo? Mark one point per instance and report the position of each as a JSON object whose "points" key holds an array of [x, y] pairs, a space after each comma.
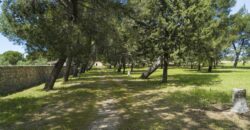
{"points": [[38, 61], [54, 27], [11, 57], [16, 58], [182, 31], [193, 31], [3, 61]]}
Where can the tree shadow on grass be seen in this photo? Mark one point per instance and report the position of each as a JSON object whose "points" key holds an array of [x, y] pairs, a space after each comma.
{"points": [[215, 71], [178, 80], [239, 67], [97, 76], [193, 79], [197, 79], [139, 71], [63, 110], [94, 78], [145, 107], [176, 110]]}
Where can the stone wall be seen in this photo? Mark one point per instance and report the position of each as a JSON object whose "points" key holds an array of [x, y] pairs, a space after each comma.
{"points": [[16, 78]]}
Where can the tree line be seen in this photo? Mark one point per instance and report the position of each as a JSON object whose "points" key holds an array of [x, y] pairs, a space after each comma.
{"points": [[10, 58], [158, 33]]}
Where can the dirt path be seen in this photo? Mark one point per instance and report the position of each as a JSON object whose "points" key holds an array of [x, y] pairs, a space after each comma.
{"points": [[107, 111], [110, 116]]}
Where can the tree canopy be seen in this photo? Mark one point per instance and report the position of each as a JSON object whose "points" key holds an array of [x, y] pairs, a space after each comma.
{"points": [[10, 58], [126, 33]]}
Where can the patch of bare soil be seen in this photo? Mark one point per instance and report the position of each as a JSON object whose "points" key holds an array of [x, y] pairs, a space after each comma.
{"points": [[109, 116]]}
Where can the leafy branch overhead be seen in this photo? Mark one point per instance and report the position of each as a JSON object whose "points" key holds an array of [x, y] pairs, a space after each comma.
{"points": [[123, 33]]}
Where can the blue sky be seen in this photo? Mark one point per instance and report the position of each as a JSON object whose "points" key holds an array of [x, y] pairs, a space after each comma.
{"points": [[6, 45], [241, 3]]}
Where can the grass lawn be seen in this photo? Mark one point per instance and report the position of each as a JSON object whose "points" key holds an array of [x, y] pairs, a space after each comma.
{"points": [[102, 98]]}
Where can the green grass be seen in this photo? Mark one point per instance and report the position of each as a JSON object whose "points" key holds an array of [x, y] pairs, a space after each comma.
{"points": [[190, 100]]}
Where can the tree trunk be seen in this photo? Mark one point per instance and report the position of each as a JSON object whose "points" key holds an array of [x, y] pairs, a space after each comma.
{"points": [[119, 69], [210, 66], [124, 67], [68, 68], [83, 68], [214, 64], [236, 60], [75, 71], [192, 65], [217, 63], [203, 65], [244, 62], [132, 67], [165, 69], [89, 67], [162, 63], [54, 74], [237, 53], [151, 69], [199, 66], [179, 64]]}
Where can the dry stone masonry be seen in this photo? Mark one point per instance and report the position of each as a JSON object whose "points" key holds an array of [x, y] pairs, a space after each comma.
{"points": [[16, 78]]}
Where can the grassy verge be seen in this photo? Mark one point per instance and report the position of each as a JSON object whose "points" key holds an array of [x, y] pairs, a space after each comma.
{"points": [[190, 100]]}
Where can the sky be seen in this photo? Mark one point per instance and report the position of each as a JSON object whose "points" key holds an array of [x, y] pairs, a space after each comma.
{"points": [[6, 45]]}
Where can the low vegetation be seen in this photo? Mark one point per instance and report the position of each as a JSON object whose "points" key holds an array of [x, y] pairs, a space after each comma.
{"points": [[164, 35], [190, 100]]}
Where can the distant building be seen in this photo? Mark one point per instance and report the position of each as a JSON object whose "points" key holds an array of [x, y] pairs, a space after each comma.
{"points": [[98, 64]]}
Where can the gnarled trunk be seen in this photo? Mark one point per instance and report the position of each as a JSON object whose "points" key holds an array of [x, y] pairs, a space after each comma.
{"points": [[54, 74], [68, 68], [151, 69]]}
